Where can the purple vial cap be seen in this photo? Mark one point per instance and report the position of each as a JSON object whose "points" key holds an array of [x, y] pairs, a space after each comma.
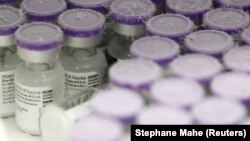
{"points": [[210, 42], [158, 1], [136, 74], [81, 23], [246, 35], [219, 111], [39, 36], [43, 10], [157, 115], [10, 20], [7, 1], [232, 85], [97, 5], [158, 49], [226, 19], [177, 92], [189, 7], [238, 59], [132, 12], [96, 129], [173, 26], [119, 104], [242, 4], [196, 66]]}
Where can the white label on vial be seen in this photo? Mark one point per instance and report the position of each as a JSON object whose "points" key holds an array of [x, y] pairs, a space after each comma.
{"points": [[81, 80], [7, 99], [30, 102]]}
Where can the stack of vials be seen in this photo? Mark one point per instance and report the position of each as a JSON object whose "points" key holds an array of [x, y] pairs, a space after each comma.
{"points": [[85, 70]]}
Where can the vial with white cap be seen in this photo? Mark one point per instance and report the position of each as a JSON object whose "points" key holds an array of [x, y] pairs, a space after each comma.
{"points": [[239, 4], [238, 59], [129, 17], [232, 85], [43, 10], [172, 26], [194, 9], [119, 104], [245, 36], [96, 129], [38, 81], [199, 67], [210, 42], [158, 115], [10, 20], [177, 92], [84, 65], [160, 6], [219, 111]]}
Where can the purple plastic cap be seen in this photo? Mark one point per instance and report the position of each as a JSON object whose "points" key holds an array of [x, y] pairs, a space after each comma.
{"points": [[10, 20], [238, 59], [196, 66], [240, 4], [97, 5], [39, 36], [226, 19], [246, 35], [81, 23], [96, 129], [158, 49], [132, 12], [177, 92], [191, 8], [173, 26], [43, 10], [219, 111], [210, 42], [7, 1], [158, 1], [232, 85], [136, 74], [156, 115], [118, 104]]}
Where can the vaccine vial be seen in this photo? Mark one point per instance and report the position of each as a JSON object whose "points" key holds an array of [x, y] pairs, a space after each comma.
{"points": [[237, 59], [194, 9], [245, 37], [177, 92], [209, 42], [129, 17], [118, 104], [199, 67], [239, 4], [10, 20], [160, 6], [217, 111], [43, 10], [37, 80], [57, 119], [232, 85], [158, 115], [173, 26], [84, 65], [96, 129]]}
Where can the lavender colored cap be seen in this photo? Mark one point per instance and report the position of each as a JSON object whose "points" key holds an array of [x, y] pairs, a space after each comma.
{"points": [[240, 4], [81, 23], [219, 111], [232, 85], [7, 1], [157, 115], [210, 42], [134, 74], [118, 104], [132, 12], [246, 35], [39, 36], [43, 10], [238, 59], [177, 92], [96, 129], [158, 49], [172, 26], [10, 20], [226, 19], [97, 5], [196, 66], [191, 8]]}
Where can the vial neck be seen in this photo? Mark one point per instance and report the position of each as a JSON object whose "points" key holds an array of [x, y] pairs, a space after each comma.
{"points": [[129, 30], [80, 53], [40, 66]]}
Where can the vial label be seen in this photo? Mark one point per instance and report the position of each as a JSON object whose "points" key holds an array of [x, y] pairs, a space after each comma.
{"points": [[30, 103], [7, 99], [81, 80]]}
